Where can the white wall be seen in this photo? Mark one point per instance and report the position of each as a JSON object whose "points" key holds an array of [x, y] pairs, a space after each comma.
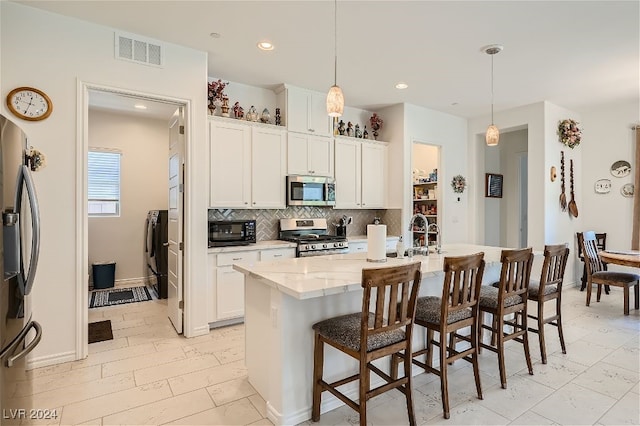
{"points": [[143, 143], [512, 144], [56, 54], [492, 206]]}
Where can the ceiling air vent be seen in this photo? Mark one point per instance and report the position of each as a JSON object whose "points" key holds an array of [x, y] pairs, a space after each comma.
{"points": [[134, 48]]}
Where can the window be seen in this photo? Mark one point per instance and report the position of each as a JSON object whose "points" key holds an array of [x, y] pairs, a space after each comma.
{"points": [[104, 183]]}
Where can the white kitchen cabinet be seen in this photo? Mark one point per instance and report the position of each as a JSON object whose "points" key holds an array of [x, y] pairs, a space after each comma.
{"points": [[309, 155], [360, 173], [225, 291], [305, 111], [357, 247], [247, 165]]}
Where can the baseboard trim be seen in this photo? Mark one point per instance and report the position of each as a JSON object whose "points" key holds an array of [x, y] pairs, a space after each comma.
{"points": [[47, 360]]}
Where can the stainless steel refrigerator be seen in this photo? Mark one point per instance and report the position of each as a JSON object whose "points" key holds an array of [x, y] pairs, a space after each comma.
{"points": [[20, 245]]}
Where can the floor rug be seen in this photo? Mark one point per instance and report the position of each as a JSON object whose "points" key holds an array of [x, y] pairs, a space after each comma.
{"points": [[118, 296], [100, 331]]}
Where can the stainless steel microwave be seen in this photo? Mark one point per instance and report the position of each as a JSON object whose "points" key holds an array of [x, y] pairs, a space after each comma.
{"points": [[231, 232], [311, 191]]}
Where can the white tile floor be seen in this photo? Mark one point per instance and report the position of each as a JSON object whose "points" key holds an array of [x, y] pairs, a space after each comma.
{"points": [[149, 375]]}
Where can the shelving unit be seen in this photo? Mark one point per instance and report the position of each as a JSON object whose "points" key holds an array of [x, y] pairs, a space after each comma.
{"points": [[425, 201]]}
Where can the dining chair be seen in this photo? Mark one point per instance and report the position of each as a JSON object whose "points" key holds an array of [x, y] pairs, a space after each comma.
{"points": [[455, 310], [367, 336], [549, 288], [596, 274], [601, 242], [508, 298]]}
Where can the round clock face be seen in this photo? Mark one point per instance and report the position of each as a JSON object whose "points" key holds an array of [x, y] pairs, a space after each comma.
{"points": [[29, 103]]}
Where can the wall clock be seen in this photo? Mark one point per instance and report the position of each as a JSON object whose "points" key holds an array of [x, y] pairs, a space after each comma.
{"points": [[603, 186], [29, 103], [620, 168]]}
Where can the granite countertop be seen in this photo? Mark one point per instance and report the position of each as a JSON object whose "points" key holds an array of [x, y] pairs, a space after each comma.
{"points": [[260, 245], [310, 277]]}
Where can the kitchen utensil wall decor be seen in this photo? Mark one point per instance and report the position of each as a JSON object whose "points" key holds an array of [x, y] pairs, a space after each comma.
{"points": [[573, 207], [563, 197]]}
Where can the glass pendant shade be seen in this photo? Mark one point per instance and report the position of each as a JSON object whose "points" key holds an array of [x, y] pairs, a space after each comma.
{"points": [[493, 135], [335, 101]]}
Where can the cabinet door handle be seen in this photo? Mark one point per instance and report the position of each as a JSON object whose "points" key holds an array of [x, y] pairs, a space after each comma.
{"points": [[237, 258], [277, 255], [245, 203], [254, 202], [311, 130], [228, 272]]}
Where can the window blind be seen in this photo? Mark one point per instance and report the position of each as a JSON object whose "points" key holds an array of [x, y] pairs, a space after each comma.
{"points": [[104, 180]]}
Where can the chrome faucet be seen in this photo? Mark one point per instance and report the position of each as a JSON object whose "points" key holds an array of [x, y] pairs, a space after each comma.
{"points": [[438, 241], [421, 250]]}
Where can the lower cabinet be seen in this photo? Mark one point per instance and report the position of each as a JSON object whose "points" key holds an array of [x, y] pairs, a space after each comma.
{"points": [[226, 285], [361, 246]]}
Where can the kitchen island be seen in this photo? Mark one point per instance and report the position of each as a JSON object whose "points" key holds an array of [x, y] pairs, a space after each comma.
{"points": [[284, 298]]}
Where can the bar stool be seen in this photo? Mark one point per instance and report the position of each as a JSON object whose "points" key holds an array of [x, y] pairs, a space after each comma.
{"points": [[549, 288], [394, 302], [509, 298], [456, 309]]}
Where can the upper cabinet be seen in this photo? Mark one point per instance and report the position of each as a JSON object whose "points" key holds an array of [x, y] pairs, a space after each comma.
{"points": [[309, 155], [360, 173], [247, 165], [305, 111]]}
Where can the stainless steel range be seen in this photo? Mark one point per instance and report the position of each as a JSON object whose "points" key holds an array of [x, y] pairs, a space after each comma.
{"points": [[312, 237]]}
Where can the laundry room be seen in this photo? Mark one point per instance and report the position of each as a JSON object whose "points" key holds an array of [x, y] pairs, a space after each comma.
{"points": [[127, 190]]}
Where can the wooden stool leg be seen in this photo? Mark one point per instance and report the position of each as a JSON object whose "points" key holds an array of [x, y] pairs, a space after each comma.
{"points": [[364, 388], [559, 322], [584, 277], [626, 300], [500, 347], [407, 388], [525, 341], [636, 290], [444, 385], [543, 346], [474, 358], [318, 361], [429, 355], [599, 292], [589, 286]]}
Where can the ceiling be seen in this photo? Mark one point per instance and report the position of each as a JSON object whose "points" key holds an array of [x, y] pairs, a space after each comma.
{"points": [[572, 53]]}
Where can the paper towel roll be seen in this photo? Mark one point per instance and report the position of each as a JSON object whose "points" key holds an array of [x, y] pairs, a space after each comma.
{"points": [[377, 243]]}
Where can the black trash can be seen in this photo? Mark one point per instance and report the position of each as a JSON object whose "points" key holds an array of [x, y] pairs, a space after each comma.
{"points": [[104, 274]]}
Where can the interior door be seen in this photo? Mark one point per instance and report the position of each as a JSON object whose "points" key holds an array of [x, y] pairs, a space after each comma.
{"points": [[176, 196]]}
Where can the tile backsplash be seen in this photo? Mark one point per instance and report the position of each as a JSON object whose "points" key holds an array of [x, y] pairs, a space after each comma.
{"points": [[267, 220]]}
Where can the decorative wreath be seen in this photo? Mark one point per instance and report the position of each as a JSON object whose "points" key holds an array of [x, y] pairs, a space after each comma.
{"points": [[569, 133], [35, 159], [458, 183]]}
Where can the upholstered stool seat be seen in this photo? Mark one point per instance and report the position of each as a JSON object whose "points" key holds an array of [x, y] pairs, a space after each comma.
{"points": [[489, 298], [345, 330], [534, 287], [429, 309]]}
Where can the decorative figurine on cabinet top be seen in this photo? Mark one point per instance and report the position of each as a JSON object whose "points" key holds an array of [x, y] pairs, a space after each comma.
{"points": [[376, 124], [278, 117], [349, 129], [358, 132], [252, 114], [365, 134], [266, 116], [238, 111], [341, 129], [225, 107]]}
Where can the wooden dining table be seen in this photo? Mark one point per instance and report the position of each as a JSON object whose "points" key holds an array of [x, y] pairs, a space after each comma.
{"points": [[621, 257]]}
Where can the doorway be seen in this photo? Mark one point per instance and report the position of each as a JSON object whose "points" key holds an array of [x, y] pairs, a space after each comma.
{"points": [[108, 104], [506, 217], [426, 194]]}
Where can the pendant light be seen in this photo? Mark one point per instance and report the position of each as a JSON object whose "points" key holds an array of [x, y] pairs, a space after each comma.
{"points": [[493, 134], [335, 98]]}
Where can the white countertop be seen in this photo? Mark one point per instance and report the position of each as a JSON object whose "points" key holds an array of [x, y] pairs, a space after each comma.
{"points": [[260, 245], [310, 277], [363, 238]]}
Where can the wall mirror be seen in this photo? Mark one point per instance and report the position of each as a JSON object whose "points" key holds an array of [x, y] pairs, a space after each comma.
{"points": [[493, 185]]}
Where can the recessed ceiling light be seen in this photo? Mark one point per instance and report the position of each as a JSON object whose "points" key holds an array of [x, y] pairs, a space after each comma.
{"points": [[454, 103], [265, 45], [140, 106], [214, 35], [401, 86]]}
